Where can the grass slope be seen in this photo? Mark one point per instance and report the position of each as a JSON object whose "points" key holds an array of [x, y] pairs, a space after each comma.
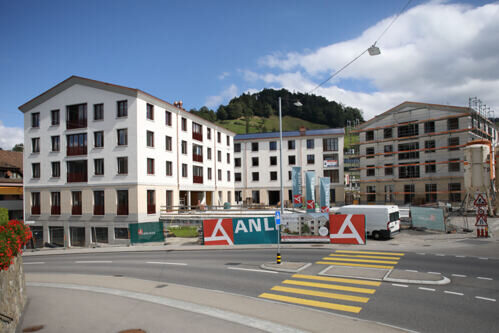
{"points": [[259, 124]]}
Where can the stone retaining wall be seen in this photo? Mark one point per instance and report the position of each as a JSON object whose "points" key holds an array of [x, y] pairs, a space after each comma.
{"points": [[12, 295]]}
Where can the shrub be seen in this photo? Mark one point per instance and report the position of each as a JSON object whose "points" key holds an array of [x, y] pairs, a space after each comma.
{"points": [[13, 236], [4, 216]]}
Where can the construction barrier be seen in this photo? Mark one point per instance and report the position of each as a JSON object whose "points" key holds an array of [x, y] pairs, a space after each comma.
{"points": [[430, 218], [347, 229], [146, 232], [252, 230]]}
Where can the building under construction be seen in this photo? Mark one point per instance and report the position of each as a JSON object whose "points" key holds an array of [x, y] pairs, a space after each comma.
{"points": [[414, 153]]}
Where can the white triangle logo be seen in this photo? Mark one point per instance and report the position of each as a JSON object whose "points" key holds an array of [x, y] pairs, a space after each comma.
{"points": [[214, 237], [341, 233]]}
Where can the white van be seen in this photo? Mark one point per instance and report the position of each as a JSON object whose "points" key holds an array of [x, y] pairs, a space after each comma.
{"points": [[381, 221]]}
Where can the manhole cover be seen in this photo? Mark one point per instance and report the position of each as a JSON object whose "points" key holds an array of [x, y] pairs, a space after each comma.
{"points": [[35, 328], [133, 330], [161, 285], [233, 263]]}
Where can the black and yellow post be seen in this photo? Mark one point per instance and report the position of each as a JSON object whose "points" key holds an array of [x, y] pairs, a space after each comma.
{"points": [[278, 258]]}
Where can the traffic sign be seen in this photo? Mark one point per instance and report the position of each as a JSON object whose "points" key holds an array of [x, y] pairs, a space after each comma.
{"points": [[277, 217], [480, 201], [480, 211], [481, 221]]}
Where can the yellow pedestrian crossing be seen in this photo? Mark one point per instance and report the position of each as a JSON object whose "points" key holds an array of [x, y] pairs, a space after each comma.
{"points": [[321, 294], [362, 260], [335, 279], [317, 304], [354, 265], [370, 252], [363, 256], [330, 286]]}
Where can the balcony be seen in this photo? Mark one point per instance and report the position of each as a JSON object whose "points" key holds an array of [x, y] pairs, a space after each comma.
{"points": [[197, 158], [55, 210], [77, 150], [98, 209], [151, 209], [197, 136], [77, 177], [76, 210], [35, 210], [197, 179], [79, 123], [122, 210]]}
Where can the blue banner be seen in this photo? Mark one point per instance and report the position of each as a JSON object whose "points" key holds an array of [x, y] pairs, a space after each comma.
{"points": [[324, 189], [254, 230], [310, 190], [297, 188]]}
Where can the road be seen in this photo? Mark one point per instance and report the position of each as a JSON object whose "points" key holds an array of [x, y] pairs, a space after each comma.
{"points": [[468, 303]]}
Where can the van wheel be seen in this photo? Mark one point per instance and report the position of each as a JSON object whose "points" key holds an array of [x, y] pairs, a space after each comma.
{"points": [[376, 235]]}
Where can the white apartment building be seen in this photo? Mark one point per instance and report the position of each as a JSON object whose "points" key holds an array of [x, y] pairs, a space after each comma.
{"points": [[256, 164], [99, 155]]}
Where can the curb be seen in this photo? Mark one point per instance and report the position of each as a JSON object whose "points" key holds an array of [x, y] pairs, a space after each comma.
{"points": [[286, 270], [444, 281]]}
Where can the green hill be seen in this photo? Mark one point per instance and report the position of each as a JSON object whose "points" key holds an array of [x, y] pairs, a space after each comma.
{"points": [[271, 124]]}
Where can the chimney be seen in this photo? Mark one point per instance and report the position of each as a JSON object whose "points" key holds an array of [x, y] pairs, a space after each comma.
{"points": [[180, 103], [302, 130]]}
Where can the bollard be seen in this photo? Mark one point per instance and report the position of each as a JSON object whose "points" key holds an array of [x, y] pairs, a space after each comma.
{"points": [[278, 258]]}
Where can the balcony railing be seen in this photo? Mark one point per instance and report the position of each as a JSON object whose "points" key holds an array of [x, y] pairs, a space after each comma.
{"points": [[122, 210], [197, 158], [151, 209], [197, 136], [80, 123], [76, 210], [77, 177], [55, 210], [35, 210], [98, 209], [78, 150], [198, 179]]}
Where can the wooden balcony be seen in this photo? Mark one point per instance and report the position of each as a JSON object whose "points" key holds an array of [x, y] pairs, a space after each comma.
{"points": [[151, 209], [79, 177], [98, 209], [78, 150], [197, 136], [35, 210], [55, 210], [76, 210], [80, 123], [122, 210], [197, 158], [197, 179]]}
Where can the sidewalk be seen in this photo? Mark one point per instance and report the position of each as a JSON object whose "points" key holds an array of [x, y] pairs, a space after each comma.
{"points": [[83, 303]]}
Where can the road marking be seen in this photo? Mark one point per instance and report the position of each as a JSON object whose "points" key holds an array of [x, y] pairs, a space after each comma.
{"points": [[434, 273], [486, 299], [459, 275], [484, 278], [440, 255], [428, 289], [321, 294], [421, 253], [369, 252], [252, 270], [330, 286], [318, 304], [453, 293], [400, 285], [334, 279], [362, 260], [460, 256], [93, 262], [411, 270], [34, 263], [483, 258], [362, 256], [354, 265], [166, 263]]}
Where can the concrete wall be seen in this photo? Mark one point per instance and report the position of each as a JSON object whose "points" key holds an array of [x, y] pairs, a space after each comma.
{"points": [[12, 294]]}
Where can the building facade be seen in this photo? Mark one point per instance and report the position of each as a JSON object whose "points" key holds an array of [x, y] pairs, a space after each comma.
{"points": [[413, 153], [11, 183], [256, 164], [101, 156]]}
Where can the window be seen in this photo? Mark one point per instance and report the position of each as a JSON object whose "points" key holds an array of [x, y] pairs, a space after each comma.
{"points": [[184, 124], [228, 176], [255, 196], [387, 133], [76, 116], [56, 169], [237, 176], [430, 167], [208, 174], [408, 171], [453, 143], [169, 169], [168, 143], [98, 111], [54, 117], [237, 147], [454, 165], [55, 203], [291, 144], [408, 130], [35, 203], [35, 168], [122, 207], [272, 145], [237, 162], [228, 140], [122, 165], [292, 160], [370, 152], [219, 137], [273, 175], [330, 144], [35, 145], [219, 155], [370, 171], [290, 175], [431, 192], [184, 170], [168, 118], [219, 174], [197, 131], [455, 192], [407, 151], [208, 153], [35, 119], [388, 149], [310, 144], [388, 193], [76, 203], [254, 146], [255, 176], [388, 169], [76, 144], [122, 108], [122, 137], [409, 193], [77, 171], [228, 158], [150, 111], [56, 143], [99, 166], [369, 135], [453, 124], [150, 139], [99, 139], [334, 175], [208, 133], [371, 193], [197, 153], [429, 146], [273, 160], [254, 161], [99, 202], [183, 146], [429, 127], [169, 200], [311, 159], [151, 202], [150, 166]]}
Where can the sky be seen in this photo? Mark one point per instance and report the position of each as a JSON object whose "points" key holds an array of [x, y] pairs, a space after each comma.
{"points": [[207, 52]]}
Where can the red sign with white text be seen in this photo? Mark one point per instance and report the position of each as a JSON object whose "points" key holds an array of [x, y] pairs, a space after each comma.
{"points": [[347, 229], [218, 232]]}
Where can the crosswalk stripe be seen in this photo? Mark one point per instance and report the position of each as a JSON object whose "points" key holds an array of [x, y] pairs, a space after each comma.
{"points": [[334, 263], [362, 260], [335, 279], [330, 286], [363, 256], [317, 304], [321, 294], [369, 252]]}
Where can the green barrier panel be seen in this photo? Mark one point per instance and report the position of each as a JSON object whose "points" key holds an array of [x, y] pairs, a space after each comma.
{"points": [[430, 218], [254, 230], [146, 232]]}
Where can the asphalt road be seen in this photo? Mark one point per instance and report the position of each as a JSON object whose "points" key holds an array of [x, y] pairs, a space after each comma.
{"points": [[467, 304]]}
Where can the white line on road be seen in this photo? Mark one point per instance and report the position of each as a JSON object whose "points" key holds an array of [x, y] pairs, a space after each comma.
{"points": [[411, 270], [400, 285], [421, 254], [486, 299], [167, 263], [428, 289], [35, 263], [484, 278], [251, 270], [93, 262], [440, 255], [453, 293], [460, 256], [434, 273], [459, 275], [483, 258]]}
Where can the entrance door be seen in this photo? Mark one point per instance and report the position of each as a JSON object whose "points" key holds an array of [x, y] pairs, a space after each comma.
{"points": [[274, 198]]}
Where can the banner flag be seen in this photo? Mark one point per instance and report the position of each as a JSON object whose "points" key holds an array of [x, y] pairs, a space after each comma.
{"points": [[297, 188], [310, 187], [324, 189]]}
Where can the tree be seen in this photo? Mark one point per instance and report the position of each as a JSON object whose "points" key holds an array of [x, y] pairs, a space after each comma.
{"points": [[19, 147], [221, 113]]}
